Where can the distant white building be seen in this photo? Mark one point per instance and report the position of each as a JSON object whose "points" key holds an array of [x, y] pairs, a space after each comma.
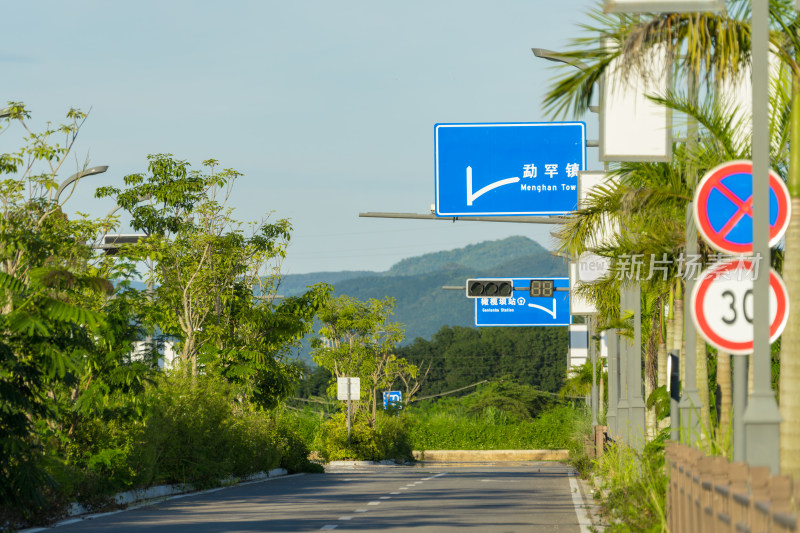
{"points": [[578, 352], [167, 351], [578, 346]]}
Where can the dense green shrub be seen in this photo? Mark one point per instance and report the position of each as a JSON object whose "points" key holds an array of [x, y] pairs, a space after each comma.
{"points": [[293, 441], [387, 440], [501, 415], [188, 434], [634, 487]]}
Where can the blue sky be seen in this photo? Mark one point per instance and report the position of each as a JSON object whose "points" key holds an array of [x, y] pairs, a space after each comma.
{"points": [[326, 107]]}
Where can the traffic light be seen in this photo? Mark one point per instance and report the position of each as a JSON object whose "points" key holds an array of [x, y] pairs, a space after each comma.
{"points": [[489, 288], [542, 288]]}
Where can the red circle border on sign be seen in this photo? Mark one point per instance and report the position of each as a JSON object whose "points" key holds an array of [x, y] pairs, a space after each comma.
{"points": [[711, 179], [701, 288]]}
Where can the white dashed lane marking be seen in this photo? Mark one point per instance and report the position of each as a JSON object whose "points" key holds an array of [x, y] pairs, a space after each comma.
{"points": [[373, 503]]}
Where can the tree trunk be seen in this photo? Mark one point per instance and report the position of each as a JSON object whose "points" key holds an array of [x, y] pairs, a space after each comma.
{"points": [[374, 406], [601, 393], [724, 381], [649, 414], [702, 387], [677, 341], [789, 386], [662, 377]]}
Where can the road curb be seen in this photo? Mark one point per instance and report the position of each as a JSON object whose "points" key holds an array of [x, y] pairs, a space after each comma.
{"points": [[133, 499], [465, 456]]}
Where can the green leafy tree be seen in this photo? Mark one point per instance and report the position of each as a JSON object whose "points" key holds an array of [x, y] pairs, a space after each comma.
{"points": [[358, 340], [214, 278], [52, 294]]}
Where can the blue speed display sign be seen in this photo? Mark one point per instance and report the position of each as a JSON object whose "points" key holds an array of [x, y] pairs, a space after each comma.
{"points": [[520, 168], [522, 309]]}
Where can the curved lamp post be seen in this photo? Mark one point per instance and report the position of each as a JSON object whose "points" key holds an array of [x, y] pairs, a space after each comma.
{"points": [[79, 175]]}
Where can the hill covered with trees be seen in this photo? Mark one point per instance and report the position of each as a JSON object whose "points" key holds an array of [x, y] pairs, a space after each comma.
{"points": [[459, 357], [422, 306]]}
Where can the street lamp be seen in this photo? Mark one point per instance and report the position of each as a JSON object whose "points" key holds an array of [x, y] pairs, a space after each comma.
{"points": [[117, 207], [79, 175], [550, 55]]}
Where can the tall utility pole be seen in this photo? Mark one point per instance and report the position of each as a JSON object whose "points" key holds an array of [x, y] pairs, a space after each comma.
{"points": [[635, 394], [761, 417], [689, 404], [612, 337]]}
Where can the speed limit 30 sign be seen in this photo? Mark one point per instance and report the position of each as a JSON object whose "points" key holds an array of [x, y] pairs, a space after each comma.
{"points": [[722, 306]]}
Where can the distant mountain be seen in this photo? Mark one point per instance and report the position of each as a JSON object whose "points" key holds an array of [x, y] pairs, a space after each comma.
{"points": [[485, 256], [293, 284], [416, 283]]}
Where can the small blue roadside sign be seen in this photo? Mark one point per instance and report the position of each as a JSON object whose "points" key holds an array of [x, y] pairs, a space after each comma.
{"points": [[518, 168], [393, 399], [522, 309]]}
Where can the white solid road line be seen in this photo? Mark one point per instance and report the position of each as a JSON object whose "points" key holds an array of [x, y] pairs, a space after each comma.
{"points": [[577, 501]]}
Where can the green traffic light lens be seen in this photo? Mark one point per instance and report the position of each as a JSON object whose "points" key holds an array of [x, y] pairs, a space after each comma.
{"points": [[505, 289], [476, 289]]}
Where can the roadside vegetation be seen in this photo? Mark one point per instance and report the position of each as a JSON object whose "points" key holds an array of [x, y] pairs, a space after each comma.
{"points": [[107, 385], [89, 404], [640, 211]]}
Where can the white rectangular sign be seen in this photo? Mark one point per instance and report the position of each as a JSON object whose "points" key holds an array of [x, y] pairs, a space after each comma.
{"points": [[348, 388], [633, 127], [578, 345]]}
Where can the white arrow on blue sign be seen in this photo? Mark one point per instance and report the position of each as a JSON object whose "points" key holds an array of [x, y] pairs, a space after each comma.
{"points": [[522, 309], [393, 398], [520, 168]]}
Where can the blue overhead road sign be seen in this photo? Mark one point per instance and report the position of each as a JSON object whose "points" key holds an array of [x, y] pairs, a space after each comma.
{"points": [[522, 309], [525, 168]]}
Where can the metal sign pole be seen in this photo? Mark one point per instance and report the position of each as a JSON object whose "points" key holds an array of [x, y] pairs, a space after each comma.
{"points": [[762, 417], [635, 396], [613, 383], [690, 396], [739, 405], [593, 352], [623, 367]]}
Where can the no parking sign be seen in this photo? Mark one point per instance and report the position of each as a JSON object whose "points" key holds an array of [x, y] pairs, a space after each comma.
{"points": [[722, 299], [723, 207]]}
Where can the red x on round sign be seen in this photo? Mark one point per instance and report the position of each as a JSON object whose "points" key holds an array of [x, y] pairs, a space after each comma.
{"points": [[723, 207]]}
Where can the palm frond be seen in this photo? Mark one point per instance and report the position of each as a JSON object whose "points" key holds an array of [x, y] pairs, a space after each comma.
{"points": [[11, 283], [66, 312]]}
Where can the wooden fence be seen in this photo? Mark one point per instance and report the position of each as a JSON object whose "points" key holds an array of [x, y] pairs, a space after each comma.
{"points": [[710, 494]]}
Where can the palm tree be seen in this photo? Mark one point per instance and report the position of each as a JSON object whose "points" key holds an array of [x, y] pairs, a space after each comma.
{"points": [[710, 47]]}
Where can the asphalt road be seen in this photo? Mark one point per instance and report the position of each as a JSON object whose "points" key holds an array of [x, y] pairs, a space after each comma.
{"points": [[503, 497]]}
